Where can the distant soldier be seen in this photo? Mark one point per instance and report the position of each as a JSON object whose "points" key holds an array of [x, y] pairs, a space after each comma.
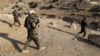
{"points": [[32, 24], [83, 26], [16, 17]]}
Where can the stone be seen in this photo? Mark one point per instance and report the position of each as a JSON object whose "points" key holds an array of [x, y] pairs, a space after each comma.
{"points": [[53, 24], [74, 39]]}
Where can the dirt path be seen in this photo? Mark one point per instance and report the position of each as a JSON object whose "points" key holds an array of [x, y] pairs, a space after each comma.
{"points": [[59, 40]]}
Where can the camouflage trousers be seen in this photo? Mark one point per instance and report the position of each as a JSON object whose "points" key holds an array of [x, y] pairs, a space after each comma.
{"points": [[32, 36]]}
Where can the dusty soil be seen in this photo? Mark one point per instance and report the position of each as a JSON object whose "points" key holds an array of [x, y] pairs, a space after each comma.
{"points": [[59, 39]]}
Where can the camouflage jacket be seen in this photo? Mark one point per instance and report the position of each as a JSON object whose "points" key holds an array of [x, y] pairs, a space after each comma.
{"points": [[31, 23]]}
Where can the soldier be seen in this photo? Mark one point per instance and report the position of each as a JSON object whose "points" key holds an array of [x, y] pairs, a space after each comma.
{"points": [[83, 26], [31, 23], [16, 17]]}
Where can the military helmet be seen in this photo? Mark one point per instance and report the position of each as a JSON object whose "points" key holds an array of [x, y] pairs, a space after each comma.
{"points": [[31, 11]]}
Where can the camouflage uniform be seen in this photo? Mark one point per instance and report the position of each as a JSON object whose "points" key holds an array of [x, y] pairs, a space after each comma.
{"points": [[16, 15], [32, 32]]}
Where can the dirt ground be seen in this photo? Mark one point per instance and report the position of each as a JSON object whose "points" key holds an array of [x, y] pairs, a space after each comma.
{"points": [[54, 33], [59, 39]]}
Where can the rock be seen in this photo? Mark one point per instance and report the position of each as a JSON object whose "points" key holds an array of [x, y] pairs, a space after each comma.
{"points": [[75, 49], [51, 16], [74, 26], [53, 24], [47, 6], [59, 17], [74, 39], [41, 17], [33, 4], [20, 0]]}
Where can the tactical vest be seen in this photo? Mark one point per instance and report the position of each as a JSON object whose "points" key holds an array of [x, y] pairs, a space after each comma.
{"points": [[30, 23]]}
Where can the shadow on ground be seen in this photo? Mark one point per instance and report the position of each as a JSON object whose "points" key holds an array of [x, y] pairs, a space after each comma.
{"points": [[82, 39], [49, 15], [10, 25], [13, 41], [70, 19], [60, 30]]}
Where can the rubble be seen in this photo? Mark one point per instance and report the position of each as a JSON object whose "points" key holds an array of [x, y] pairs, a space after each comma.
{"points": [[53, 24], [33, 5]]}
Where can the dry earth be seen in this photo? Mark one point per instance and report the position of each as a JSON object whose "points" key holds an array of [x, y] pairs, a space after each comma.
{"points": [[54, 33], [59, 39]]}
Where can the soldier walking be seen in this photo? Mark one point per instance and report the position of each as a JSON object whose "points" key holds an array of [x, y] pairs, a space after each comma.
{"points": [[31, 24], [16, 17], [83, 26]]}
